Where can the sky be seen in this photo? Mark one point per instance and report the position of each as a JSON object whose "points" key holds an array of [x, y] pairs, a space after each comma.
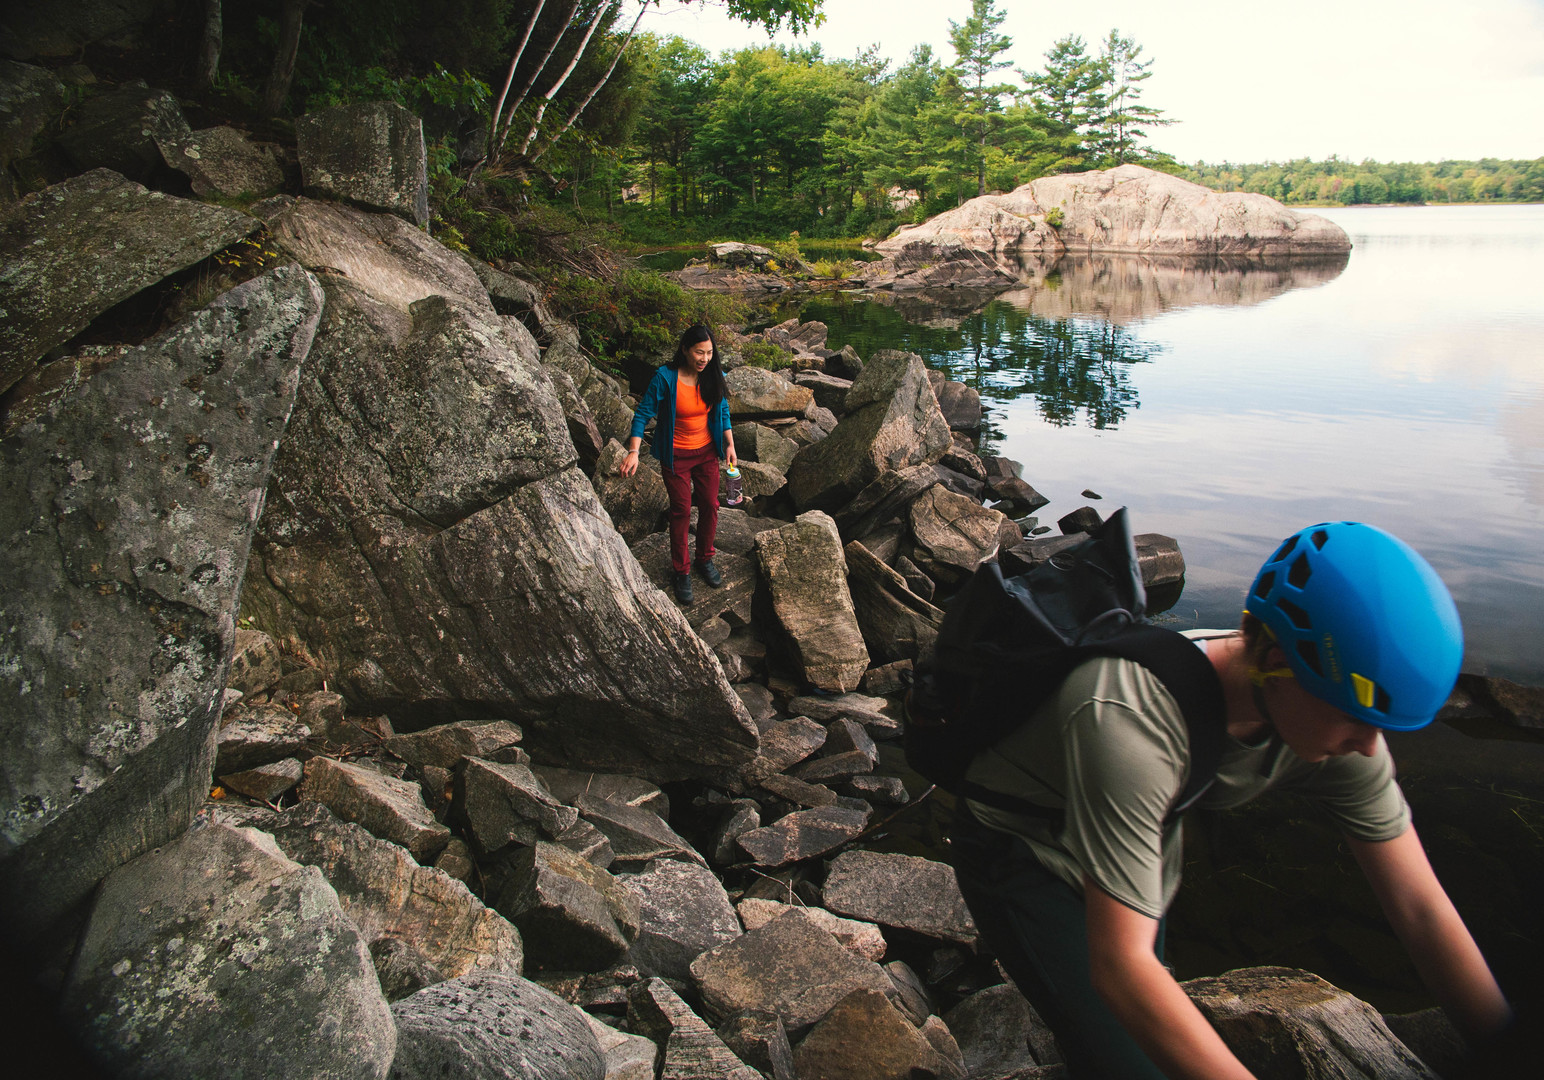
{"points": [[1391, 80]]}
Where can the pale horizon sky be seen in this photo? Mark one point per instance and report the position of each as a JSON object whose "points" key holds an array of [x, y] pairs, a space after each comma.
{"points": [[1392, 80]]}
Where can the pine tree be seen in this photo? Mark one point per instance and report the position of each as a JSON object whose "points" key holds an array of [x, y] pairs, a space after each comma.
{"points": [[1070, 95], [1124, 117], [978, 46]]}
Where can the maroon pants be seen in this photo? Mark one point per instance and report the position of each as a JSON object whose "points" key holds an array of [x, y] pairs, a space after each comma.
{"points": [[692, 471]]}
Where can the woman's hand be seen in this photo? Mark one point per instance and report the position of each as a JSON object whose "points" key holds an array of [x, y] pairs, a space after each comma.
{"points": [[629, 464], [730, 455]]}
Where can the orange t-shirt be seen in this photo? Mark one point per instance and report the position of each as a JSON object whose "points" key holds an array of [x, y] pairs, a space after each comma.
{"points": [[691, 419]]}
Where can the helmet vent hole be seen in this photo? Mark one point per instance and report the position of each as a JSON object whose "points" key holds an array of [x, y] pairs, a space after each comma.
{"points": [[1297, 577], [1320, 538], [1285, 549], [1264, 586], [1380, 701], [1310, 654], [1296, 615]]}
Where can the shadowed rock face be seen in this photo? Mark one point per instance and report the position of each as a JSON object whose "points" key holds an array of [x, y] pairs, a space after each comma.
{"points": [[447, 509], [128, 510]]}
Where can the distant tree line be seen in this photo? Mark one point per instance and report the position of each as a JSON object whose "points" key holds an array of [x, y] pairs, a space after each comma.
{"points": [[766, 139], [1349, 183]]}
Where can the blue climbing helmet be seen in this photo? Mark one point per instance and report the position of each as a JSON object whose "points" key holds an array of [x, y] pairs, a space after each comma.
{"points": [[1366, 623]]}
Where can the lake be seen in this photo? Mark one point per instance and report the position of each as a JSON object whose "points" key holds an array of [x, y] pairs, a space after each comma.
{"points": [[1230, 405]]}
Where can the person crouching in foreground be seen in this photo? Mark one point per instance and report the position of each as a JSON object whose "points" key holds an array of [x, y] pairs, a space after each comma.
{"points": [[1347, 632], [691, 400]]}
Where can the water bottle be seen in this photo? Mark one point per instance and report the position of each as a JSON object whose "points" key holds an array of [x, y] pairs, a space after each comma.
{"points": [[733, 494]]}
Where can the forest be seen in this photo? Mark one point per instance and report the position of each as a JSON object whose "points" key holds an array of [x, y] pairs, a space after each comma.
{"points": [[569, 105]]}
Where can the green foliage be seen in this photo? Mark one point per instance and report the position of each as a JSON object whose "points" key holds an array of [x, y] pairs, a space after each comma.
{"points": [[1054, 218], [764, 354], [636, 312], [439, 88]]}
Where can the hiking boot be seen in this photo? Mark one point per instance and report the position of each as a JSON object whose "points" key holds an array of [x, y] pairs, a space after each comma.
{"points": [[682, 585], [710, 573]]}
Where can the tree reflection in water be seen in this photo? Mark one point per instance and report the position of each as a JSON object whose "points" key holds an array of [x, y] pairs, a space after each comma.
{"points": [[1074, 367]]}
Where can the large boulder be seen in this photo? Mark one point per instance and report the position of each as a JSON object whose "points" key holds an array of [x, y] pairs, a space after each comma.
{"points": [[449, 511], [806, 574], [31, 98], [865, 1037], [45, 28], [892, 422], [128, 510], [897, 624], [1129, 209], [390, 897], [370, 154], [221, 162], [216, 953], [129, 129], [72, 251], [493, 1025], [1283, 1023], [954, 533]]}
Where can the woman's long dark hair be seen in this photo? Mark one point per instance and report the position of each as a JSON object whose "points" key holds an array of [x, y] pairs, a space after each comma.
{"points": [[710, 384]]}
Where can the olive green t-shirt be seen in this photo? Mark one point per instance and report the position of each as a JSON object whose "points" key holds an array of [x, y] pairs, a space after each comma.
{"points": [[1110, 748]]}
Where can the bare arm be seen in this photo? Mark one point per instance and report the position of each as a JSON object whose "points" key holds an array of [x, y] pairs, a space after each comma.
{"points": [[1433, 933], [1145, 998]]}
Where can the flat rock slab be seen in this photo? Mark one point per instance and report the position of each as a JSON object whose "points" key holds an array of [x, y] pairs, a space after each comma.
{"points": [[445, 745], [126, 129], [257, 735], [265, 782], [126, 514], [389, 808], [493, 1025], [734, 595], [636, 835], [567, 785], [790, 967], [72, 251], [803, 834], [865, 1036], [903, 891], [1282, 1023], [692, 1051], [863, 938], [217, 949], [684, 912], [864, 708], [806, 573], [391, 897], [758, 394]]}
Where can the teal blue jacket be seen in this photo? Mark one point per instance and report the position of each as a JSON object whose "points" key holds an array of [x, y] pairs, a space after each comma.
{"points": [[659, 401]]}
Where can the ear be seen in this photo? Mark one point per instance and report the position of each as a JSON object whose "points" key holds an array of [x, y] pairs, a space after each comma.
{"points": [[1275, 657]]}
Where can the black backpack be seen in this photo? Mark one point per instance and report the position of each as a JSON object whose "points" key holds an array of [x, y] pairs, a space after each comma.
{"points": [[1006, 644]]}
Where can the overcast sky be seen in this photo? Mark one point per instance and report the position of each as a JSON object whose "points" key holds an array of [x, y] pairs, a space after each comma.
{"points": [[1394, 80]]}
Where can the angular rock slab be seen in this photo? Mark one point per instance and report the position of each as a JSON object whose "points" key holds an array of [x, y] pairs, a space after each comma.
{"points": [[684, 912], [448, 511], [863, 938], [127, 512], [216, 950], [790, 967], [896, 623], [955, 533], [893, 422], [690, 1048], [389, 896], [371, 154], [998, 1030], [755, 394], [627, 1057], [256, 735], [72, 251], [489, 1024], [1281, 1022], [126, 129], [807, 574], [802, 835], [445, 745], [902, 891], [31, 98], [221, 162], [499, 805], [636, 835], [572, 915], [389, 808], [865, 1037]]}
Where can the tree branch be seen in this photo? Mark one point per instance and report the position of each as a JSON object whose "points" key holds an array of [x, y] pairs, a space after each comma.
{"points": [[600, 11], [578, 109]]}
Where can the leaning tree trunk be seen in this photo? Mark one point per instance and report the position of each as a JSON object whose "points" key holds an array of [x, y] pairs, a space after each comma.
{"points": [[208, 63], [277, 90]]}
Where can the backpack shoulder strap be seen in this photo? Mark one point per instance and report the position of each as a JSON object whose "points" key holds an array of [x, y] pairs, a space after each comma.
{"points": [[1192, 682]]}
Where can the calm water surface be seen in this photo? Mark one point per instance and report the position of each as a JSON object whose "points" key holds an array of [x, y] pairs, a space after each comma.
{"points": [[1231, 406]]}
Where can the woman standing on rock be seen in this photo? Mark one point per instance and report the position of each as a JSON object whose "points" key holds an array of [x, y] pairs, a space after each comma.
{"points": [[1348, 633], [691, 400]]}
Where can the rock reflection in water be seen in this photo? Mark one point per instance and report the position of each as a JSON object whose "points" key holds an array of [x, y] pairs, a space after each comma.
{"points": [[1065, 333]]}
